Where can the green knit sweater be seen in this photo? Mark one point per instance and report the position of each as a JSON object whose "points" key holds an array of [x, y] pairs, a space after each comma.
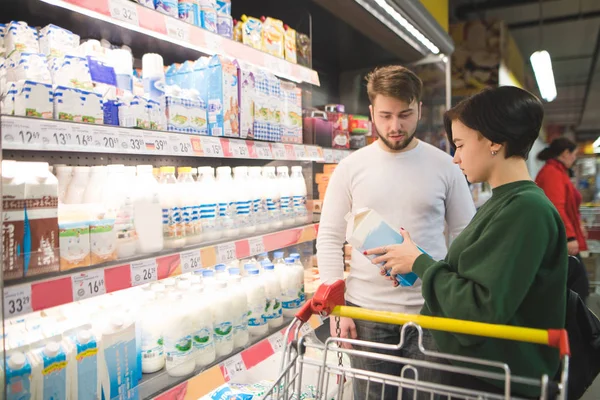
{"points": [[509, 266]]}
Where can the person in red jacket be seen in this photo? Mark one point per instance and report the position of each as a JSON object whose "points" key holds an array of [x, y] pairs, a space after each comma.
{"points": [[554, 179]]}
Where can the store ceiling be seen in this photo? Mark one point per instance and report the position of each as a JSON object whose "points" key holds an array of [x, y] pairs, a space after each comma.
{"points": [[571, 34]]}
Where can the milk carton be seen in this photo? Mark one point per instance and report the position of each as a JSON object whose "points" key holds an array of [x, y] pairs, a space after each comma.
{"points": [[71, 71], [367, 230], [56, 41], [74, 238], [33, 99], [262, 107], [223, 102], [52, 369], [103, 241], [21, 38], [134, 113], [85, 348], [8, 99], [156, 115], [291, 121], [78, 105], [28, 66], [13, 195], [246, 88]]}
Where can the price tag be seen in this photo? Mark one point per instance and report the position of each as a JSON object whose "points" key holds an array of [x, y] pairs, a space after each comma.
{"points": [[190, 260], [328, 156], [156, 143], [22, 133], [338, 155], [226, 253], [278, 151], [135, 143], [123, 10], [263, 150], [143, 272], [257, 245], [108, 140], [68, 135], [299, 152], [177, 29], [233, 367], [239, 149], [305, 329], [212, 146], [88, 284], [314, 153], [182, 146], [17, 300], [277, 342]]}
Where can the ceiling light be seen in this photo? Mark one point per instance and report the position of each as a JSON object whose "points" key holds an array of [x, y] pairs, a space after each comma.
{"points": [[542, 68], [398, 18]]}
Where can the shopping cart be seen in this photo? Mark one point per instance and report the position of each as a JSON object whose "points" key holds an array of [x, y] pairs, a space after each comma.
{"points": [[331, 376]]}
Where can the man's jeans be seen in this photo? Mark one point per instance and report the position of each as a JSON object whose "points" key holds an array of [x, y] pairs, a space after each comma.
{"points": [[388, 334]]}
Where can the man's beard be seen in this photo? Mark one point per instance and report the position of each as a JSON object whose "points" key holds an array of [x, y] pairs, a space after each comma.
{"points": [[397, 146]]}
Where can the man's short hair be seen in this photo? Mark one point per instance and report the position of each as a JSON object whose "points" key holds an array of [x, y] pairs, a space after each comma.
{"points": [[394, 81]]}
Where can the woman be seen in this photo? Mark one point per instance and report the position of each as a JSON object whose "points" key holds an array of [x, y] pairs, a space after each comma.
{"points": [[554, 179], [509, 265]]}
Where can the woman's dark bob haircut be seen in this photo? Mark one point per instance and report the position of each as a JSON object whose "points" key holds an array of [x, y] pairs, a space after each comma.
{"points": [[506, 115]]}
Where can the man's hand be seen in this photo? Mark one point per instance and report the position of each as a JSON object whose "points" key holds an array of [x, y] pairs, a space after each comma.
{"points": [[347, 327], [573, 248]]}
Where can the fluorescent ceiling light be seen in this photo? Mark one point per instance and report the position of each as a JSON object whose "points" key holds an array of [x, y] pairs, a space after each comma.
{"points": [[397, 17], [596, 143], [542, 68]]}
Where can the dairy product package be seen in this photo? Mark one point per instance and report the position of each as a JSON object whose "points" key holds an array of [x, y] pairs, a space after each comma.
{"points": [[33, 99], [74, 239], [18, 377], [56, 41], [273, 37], [156, 115], [251, 32], [168, 7], [103, 241], [187, 116], [290, 45], [20, 37], [223, 103], [225, 25], [8, 99], [71, 71], [208, 19], [291, 124], [28, 66], [53, 369], [78, 105], [262, 107], [224, 7], [247, 88], [189, 11], [367, 230], [118, 364], [84, 347], [133, 112], [275, 103], [146, 3]]}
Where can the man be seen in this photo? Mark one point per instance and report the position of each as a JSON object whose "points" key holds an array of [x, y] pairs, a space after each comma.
{"points": [[411, 184]]}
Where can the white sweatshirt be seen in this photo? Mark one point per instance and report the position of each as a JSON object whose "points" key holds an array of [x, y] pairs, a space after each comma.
{"points": [[418, 190]]}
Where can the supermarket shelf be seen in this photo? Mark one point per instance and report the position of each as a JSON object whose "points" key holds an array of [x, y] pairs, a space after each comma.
{"points": [[51, 290], [21, 133], [136, 18], [204, 380]]}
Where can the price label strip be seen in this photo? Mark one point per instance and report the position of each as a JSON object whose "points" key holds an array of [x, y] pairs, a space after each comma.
{"points": [[314, 153], [143, 272], [277, 342], [239, 149], [257, 245], [178, 30], [123, 10], [299, 152], [190, 261], [278, 151], [211, 146], [108, 140], [22, 133], [226, 253], [328, 156], [88, 284], [263, 150], [17, 300], [233, 367]]}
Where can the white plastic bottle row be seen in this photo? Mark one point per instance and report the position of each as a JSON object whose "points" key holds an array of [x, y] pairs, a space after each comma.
{"points": [[153, 213]]}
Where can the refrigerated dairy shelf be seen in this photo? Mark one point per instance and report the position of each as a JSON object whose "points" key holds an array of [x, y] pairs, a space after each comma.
{"points": [[136, 18], [205, 380], [22, 133], [37, 293]]}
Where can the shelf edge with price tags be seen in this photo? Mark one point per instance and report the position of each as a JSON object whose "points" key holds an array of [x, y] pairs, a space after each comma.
{"points": [[124, 10], [88, 284], [144, 271], [29, 134]]}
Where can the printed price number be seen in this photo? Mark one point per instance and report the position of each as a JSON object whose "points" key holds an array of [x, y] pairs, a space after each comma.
{"points": [[257, 246], [277, 342], [278, 151], [177, 29], [212, 147], [143, 272], [84, 140], [136, 144], [124, 11], [239, 149], [299, 152], [191, 261], [109, 142], [233, 367], [62, 138], [88, 284], [313, 153], [161, 145], [263, 150], [226, 253], [29, 137], [17, 300]]}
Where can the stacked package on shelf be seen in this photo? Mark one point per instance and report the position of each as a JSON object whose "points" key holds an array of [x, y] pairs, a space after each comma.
{"points": [[359, 127], [292, 113], [322, 180]]}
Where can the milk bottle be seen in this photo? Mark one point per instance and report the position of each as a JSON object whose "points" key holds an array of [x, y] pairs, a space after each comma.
{"points": [[299, 270], [179, 350], [299, 195], [285, 189], [77, 185], [202, 324], [147, 211], [191, 208], [239, 307], [208, 201], [257, 302], [222, 318], [273, 198], [152, 337], [243, 200], [64, 175], [256, 187], [171, 203], [291, 288], [95, 186], [273, 292], [124, 184], [227, 209]]}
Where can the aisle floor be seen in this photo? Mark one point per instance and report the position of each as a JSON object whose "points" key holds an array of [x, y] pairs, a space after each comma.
{"points": [[593, 392]]}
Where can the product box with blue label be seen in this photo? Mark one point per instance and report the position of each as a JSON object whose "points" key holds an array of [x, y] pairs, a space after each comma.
{"points": [[368, 230], [221, 80]]}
